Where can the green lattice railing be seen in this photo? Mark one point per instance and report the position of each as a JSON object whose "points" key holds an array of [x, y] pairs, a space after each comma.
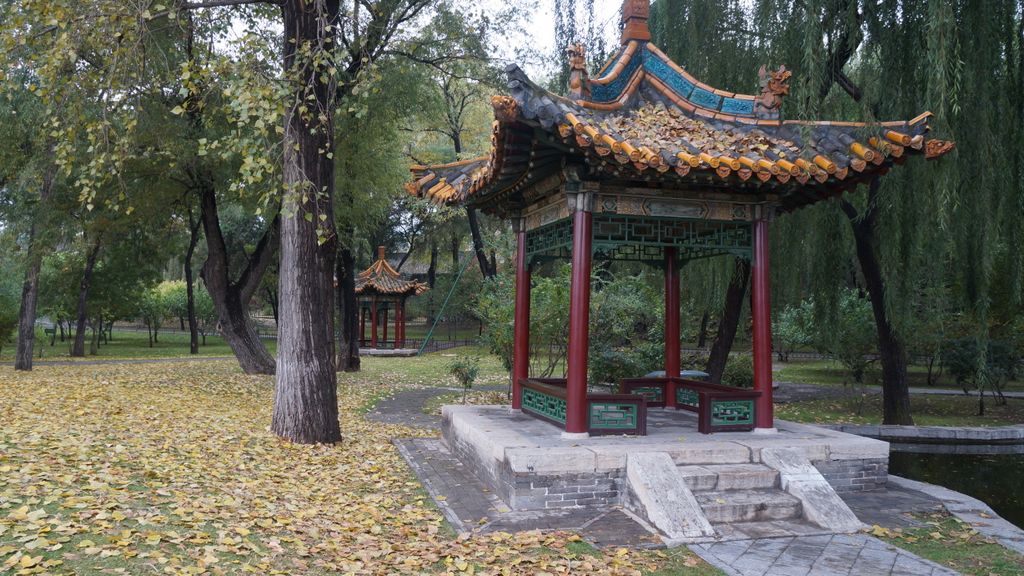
{"points": [[652, 394], [732, 412], [546, 405], [687, 397], [613, 416]]}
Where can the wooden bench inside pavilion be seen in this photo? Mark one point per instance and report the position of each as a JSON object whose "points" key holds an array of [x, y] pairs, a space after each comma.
{"points": [[645, 163]]}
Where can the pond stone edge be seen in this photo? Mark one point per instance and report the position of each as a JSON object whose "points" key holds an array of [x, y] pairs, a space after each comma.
{"points": [[935, 434], [970, 510]]}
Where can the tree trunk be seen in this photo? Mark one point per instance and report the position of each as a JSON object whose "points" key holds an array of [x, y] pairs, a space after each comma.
{"points": [[78, 349], [702, 334], [231, 299], [348, 313], [730, 321], [456, 242], [478, 244], [305, 397], [272, 299], [193, 322], [30, 287], [892, 354], [29, 300], [432, 269]]}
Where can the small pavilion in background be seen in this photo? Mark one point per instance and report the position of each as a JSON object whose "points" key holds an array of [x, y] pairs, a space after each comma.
{"points": [[380, 290], [646, 163]]}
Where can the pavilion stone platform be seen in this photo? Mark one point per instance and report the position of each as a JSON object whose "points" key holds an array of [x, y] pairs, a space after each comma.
{"points": [[691, 487]]}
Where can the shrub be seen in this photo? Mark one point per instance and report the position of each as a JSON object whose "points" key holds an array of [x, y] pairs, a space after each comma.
{"points": [[739, 372], [465, 369]]}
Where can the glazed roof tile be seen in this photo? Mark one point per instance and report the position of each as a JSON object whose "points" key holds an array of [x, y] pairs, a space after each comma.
{"points": [[647, 119], [381, 278]]}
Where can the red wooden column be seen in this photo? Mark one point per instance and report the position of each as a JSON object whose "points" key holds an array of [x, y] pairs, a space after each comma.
{"points": [[373, 321], [384, 342], [362, 325], [579, 317], [400, 324], [761, 312], [521, 321], [671, 324]]}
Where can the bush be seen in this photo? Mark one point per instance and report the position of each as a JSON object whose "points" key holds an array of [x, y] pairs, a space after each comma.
{"points": [[739, 372], [465, 369], [851, 337]]}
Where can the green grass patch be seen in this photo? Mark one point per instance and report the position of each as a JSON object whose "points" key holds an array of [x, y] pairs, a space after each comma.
{"points": [[682, 561], [948, 541], [832, 373], [927, 411], [129, 344]]}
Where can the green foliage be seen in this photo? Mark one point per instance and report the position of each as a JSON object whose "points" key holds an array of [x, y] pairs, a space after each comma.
{"points": [[960, 357], [9, 302], [850, 338], [465, 369], [739, 372], [793, 328]]}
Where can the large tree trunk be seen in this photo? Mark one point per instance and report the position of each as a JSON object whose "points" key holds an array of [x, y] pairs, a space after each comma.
{"points": [[30, 288], [231, 298], [892, 354], [305, 398], [193, 323], [432, 268], [348, 313], [702, 333], [78, 348], [730, 321], [29, 300]]}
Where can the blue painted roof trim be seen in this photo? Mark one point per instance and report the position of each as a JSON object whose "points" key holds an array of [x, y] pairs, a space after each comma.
{"points": [[670, 77]]}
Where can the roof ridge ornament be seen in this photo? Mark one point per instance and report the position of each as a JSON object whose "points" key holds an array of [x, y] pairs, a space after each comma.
{"points": [[579, 80], [774, 85], [634, 20]]}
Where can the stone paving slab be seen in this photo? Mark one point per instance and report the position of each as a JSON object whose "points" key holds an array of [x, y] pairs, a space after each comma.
{"points": [[823, 555]]}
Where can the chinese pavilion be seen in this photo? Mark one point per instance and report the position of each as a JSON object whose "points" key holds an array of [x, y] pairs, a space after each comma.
{"points": [[646, 163], [380, 288]]}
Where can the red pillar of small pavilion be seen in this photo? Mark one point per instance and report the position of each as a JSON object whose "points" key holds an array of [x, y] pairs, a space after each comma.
{"points": [[761, 312], [384, 342], [579, 318], [521, 323], [362, 325], [400, 324], [373, 321], [671, 324]]}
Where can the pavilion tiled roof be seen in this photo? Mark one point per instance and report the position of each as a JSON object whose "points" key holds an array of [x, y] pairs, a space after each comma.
{"points": [[646, 119], [381, 278]]}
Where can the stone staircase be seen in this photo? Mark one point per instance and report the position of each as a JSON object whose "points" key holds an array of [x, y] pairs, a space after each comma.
{"points": [[734, 494], [781, 496]]}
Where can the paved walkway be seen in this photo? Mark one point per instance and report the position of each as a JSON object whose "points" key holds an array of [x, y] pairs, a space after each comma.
{"points": [[406, 407], [839, 555]]}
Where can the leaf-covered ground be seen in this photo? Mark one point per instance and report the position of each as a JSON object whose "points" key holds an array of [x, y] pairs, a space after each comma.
{"points": [[171, 469]]}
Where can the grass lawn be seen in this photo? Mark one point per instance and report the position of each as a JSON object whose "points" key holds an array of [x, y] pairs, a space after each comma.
{"points": [[832, 373], [171, 469], [131, 344], [927, 411], [948, 541]]}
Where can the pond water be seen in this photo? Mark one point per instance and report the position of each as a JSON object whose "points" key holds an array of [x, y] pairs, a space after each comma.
{"points": [[993, 478]]}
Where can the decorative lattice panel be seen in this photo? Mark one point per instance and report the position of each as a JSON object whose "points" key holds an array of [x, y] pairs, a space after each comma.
{"points": [[732, 412], [613, 416], [687, 397], [652, 394], [644, 238], [551, 407]]}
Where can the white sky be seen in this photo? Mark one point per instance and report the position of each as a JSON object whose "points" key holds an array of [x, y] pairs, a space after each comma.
{"points": [[539, 30]]}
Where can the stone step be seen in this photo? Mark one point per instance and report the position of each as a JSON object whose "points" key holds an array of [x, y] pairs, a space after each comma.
{"points": [[728, 506], [729, 477]]}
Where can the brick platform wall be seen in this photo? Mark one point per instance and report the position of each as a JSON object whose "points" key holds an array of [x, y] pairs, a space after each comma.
{"points": [[854, 475]]}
